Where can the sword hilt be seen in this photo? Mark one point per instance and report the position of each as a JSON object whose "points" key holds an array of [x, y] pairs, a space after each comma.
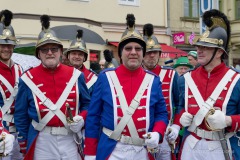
{"points": [[69, 118], [210, 112]]}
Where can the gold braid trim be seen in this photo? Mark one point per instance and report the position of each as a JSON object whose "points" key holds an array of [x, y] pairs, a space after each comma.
{"points": [[218, 42]]}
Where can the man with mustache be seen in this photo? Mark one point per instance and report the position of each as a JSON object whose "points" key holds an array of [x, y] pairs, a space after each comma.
{"points": [[50, 96], [127, 106]]}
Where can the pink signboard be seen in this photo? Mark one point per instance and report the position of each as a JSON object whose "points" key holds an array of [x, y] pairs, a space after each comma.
{"points": [[178, 38]]}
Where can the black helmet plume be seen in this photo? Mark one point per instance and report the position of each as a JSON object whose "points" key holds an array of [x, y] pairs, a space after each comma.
{"points": [[45, 21], [79, 34], [130, 20], [107, 55], [148, 30], [6, 17]]}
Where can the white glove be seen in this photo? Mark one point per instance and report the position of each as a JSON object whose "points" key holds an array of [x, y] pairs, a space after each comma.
{"points": [[217, 120], [77, 125], [8, 146], [172, 133], [186, 119], [89, 157], [151, 139]]}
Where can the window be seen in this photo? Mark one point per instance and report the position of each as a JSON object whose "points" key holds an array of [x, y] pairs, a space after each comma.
{"points": [[191, 8], [129, 2], [237, 9]]}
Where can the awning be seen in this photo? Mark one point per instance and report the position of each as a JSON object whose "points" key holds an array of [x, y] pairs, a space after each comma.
{"points": [[70, 32], [167, 51], [27, 49], [171, 52], [113, 43]]}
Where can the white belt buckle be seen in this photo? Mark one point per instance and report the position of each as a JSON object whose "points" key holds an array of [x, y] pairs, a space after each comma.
{"points": [[59, 131], [125, 139]]}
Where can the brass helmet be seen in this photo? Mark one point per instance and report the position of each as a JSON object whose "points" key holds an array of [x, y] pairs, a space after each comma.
{"points": [[218, 32], [46, 35], [131, 35], [78, 45], [7, 35], [150, 39]]}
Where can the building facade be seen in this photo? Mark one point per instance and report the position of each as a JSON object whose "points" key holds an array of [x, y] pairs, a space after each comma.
{"points": [[104, 21], [184, 19]]}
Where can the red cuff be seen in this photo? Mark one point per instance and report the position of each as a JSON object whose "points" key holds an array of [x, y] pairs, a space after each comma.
{"points": [[177, 118], [23, 147], [160, 127], [84, 114], [90, 146], [235, 123]]}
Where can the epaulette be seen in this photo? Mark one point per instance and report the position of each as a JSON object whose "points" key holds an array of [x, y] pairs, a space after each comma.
{"points": [[108, 69], [27, 70], [147, 71], [167, 67], [190, 70], [236, 70], [93, 71]]}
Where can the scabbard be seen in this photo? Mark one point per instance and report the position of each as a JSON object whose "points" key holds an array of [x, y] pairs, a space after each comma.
{"points": [[224, 145]]}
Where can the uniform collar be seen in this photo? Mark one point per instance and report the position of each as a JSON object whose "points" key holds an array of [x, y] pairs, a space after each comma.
{"points": [[127, 72], [59, 66], [217, 70], [4, 66]]}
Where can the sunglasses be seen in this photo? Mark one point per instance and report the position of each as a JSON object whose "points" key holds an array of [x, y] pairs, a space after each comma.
{"points": [[130, 48], [46, 50]]}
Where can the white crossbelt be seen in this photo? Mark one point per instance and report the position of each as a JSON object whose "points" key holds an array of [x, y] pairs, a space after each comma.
{"points": [[13, 91], [162, 75], [54, 108], [205, 106], [128, 111], [92, 81], [123, 138]]}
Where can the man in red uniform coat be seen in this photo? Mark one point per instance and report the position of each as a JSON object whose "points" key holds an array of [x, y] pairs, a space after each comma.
{"points": [[49, 95], [209, 97], [9, 75], [127, 116], [77, 54], [169, 79]]}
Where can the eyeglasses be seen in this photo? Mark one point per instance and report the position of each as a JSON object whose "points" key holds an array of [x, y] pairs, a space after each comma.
{"points": [[46, 50], [129, 48]]}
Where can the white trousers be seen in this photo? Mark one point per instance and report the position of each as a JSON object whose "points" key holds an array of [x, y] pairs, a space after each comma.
{"points": [[128, 152], [52, 147], [164, 152], [195, 149]]}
